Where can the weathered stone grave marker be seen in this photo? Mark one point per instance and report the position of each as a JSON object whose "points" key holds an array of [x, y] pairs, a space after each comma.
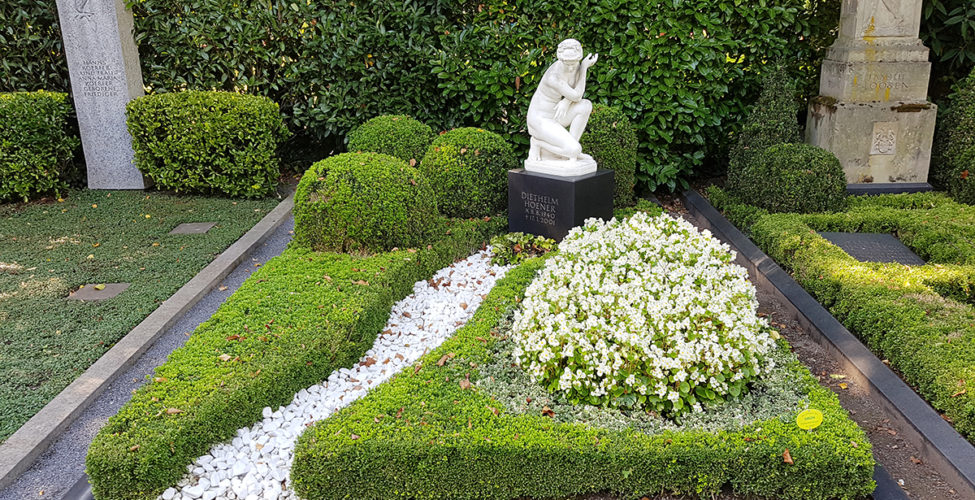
{"points": [[193, 228], [103, 63], [874, 247], [872, 112]]}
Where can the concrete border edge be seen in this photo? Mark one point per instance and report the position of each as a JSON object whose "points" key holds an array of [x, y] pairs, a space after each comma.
{"points": [[25, 445], [938, 442]]}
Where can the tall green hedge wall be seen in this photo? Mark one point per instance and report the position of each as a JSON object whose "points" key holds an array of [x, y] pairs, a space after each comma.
{"points": [[684, 72]]}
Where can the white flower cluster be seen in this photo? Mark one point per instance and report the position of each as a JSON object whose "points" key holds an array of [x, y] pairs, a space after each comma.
{"points": [[644, 312]]}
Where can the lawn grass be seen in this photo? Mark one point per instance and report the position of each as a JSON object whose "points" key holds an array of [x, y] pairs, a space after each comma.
{"points": [[49, 248]]}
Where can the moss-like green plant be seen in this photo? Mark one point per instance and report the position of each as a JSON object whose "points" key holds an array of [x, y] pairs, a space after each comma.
{"points": [[35, 146], [433, 432], [921, 318], [208, 142], [611, 140], [364, 202], [393, 135], [792, 178], [772, 121], [953, 161], [468, 168]]}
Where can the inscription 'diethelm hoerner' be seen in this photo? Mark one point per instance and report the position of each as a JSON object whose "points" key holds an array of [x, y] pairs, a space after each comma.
{"points": [[540, 208], [100, 79]]}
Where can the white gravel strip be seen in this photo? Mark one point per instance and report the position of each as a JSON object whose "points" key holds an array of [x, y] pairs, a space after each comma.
{"points": [[255, 464]]}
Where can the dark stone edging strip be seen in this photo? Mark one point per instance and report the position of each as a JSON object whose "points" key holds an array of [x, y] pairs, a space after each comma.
{"points": [[22, 448], [888, 188], [938, 443]]}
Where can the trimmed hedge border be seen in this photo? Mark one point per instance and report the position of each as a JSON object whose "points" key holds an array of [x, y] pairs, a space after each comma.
{"points": [[294, 321], [921, 318], [422, 435]]}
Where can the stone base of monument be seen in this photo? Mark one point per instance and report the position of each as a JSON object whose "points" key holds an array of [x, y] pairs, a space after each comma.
{"points": [[584, 165], [550, 205], [876, 142]]}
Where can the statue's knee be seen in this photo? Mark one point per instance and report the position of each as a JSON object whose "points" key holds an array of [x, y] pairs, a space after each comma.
{"points": [[585, 106], [574, 150]]}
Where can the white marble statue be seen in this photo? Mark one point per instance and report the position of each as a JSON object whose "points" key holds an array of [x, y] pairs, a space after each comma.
{"points": [[558, 104]]}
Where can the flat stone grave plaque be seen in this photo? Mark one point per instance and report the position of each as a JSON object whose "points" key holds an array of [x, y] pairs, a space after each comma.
{"points": [[550, 205], [90, 293], [874, 247], [193, 228]]}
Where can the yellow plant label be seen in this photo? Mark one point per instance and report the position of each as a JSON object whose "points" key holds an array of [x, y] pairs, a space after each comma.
{"points": [[809, 419]]}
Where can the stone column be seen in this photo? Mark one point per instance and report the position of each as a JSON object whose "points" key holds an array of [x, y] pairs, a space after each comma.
{"points": [[872, 111], [103, 63]]}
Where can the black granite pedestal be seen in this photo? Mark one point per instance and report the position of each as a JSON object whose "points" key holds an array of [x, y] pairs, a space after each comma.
{"points": [[550, 205]]}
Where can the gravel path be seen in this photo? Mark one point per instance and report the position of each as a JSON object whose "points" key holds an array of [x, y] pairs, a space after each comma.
{"points": [[63, 464], [255, 464]]}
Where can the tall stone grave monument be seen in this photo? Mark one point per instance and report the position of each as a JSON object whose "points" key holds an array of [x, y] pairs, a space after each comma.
{"points": [[872, 111], [104, 66]]}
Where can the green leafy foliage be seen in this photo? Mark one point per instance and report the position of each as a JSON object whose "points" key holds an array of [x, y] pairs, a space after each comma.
{"points": [[36, 148], [948, 29], [432, 432], [33, 54], [515, 248], [48, 250], [611, 140], [953, 158], [393, 135], [921, 318], [364, 202], [294, 321], [468, 168], [792, 178], [207, 142]]}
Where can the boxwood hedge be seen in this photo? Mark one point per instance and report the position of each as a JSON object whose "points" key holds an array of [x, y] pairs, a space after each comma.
{"points": [[294, 321], [428, 434], [920, 318]]}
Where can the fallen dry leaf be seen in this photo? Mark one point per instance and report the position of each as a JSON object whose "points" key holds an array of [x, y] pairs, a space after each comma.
{"points": [[160, 379], [466, 383], [224, 357], [173, 411], [354, 436], [916, 460], [548, 412], [843, 386], [786, 457], [959, 393], [136, 447]]}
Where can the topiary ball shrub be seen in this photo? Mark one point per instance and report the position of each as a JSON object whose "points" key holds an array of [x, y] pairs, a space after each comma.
{"points": [[369, 202], [772, 121], [394, 135], [208, 142], [36, 149], [795, 178], [611, 140], [468, 168], [644, 312], [952, 167]]}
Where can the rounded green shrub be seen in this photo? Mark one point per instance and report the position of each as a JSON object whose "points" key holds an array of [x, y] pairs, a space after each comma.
{"points": [[393, 135], [953, 162], [793, 178], [772, 121], [611, 140], [468, 168], [207, 142], [364, 202], [35, 146]]}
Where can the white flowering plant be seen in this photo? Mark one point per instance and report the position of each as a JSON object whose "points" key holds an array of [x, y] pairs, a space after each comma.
{"points": [[644, 312]]}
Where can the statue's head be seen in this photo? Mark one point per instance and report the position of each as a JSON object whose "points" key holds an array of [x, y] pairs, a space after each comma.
{"points": [[570, 50]]}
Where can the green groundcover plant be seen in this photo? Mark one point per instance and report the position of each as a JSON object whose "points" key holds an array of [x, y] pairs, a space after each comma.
{"points": [[48, 250], [434, 432], [36, 148], [294, 321], [920, 318]]}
